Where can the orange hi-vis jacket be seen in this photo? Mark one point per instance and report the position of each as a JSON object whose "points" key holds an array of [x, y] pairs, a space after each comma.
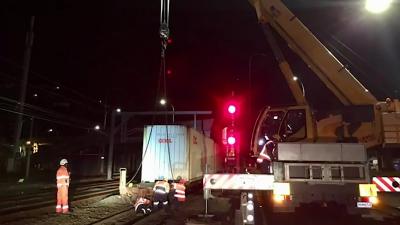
{"points": [[161, 187], [62, 177], [179, 191]]}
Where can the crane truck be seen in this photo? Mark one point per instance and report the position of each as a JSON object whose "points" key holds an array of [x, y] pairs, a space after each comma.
{"points": [[317, 161]]}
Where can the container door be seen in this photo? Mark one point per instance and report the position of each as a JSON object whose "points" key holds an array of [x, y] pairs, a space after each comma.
{"points": [[164, 152]]}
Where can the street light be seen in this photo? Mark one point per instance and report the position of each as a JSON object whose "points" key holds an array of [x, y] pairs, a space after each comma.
{"points": [[377, 6], [97, 127], [118, 110], [295, 78], [163, 102]]}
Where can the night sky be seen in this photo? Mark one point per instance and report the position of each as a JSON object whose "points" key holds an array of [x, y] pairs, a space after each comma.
{"points": [[110, 50]]}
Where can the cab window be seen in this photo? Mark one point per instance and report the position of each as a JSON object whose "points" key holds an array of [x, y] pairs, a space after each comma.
{"points": [[294, 125]]}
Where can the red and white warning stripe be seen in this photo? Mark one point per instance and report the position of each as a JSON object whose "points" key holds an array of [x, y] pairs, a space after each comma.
{"points": [[387, 184], [238, 181]]}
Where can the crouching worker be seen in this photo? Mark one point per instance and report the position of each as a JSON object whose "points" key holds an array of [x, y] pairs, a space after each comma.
{"points": [[161, 190], [142, 206], [179, 190]]}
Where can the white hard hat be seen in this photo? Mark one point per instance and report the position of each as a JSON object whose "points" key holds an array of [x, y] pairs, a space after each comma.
{"points": [[63, 162]]}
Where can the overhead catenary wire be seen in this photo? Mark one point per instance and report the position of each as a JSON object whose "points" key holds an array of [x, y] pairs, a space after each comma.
{"points": [[54, 94], [45, 111], [43, 118], [2, 58]]}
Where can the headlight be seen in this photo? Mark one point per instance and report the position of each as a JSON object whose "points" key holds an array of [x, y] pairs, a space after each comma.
{"points": [[373, 200], [279, 198]]}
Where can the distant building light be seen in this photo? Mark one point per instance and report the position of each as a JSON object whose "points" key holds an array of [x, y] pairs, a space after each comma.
{"points": [[35, 147], [28, 142], [50, 130], [97, 127], [163, 101], [58, 87], [118, 110], [295, 78], [35, 95], [100, 101], [102, 157]]}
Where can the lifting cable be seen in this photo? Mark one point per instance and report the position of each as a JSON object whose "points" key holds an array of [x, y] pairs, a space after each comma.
{"points": [[164, 36]]}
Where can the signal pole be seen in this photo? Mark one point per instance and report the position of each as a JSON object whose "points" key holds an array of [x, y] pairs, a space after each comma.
{"points": [[231, 135]]}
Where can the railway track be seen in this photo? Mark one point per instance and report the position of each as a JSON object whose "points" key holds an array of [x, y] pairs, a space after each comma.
{"points": [[126, 217], [104, 208], [45, 198]]}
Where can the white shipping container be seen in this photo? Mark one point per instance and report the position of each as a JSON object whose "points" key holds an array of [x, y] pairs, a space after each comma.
{"points": [[170, 151]]}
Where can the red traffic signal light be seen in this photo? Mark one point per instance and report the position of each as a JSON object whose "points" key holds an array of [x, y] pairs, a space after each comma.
{"points": [[232, 109], [231, 140]]}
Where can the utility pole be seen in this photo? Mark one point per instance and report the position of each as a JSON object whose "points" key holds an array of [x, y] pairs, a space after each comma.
{"points": [[22, 96], [110, 158], [29, 151]]}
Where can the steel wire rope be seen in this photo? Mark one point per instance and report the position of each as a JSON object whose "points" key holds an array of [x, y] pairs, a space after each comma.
{"points": [[164, 38], [162, 68], [164, 35], [361, 68], [151, 129]]}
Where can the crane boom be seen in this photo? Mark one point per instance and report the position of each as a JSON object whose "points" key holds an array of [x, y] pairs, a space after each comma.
{"points": [[336, 77]]}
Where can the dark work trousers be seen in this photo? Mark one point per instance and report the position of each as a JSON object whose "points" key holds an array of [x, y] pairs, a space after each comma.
{"points": [[172, 201], [143, 209], [160, 200]]}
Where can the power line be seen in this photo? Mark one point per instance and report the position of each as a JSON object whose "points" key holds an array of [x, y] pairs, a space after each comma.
{"points": [[54, 94], [46, 111], [51, 81], [45, 119]]}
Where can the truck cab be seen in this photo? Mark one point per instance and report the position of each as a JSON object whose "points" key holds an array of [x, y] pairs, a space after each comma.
{"points": [[318, 173]]}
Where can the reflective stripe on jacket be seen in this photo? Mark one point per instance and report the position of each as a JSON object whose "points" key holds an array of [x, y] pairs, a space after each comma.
{"points": [[180, 192], [161, 187], [62, 176]]}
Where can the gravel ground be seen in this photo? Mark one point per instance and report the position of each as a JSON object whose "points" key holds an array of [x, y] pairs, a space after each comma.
{"points": [[90, 213], [81, 214]]}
